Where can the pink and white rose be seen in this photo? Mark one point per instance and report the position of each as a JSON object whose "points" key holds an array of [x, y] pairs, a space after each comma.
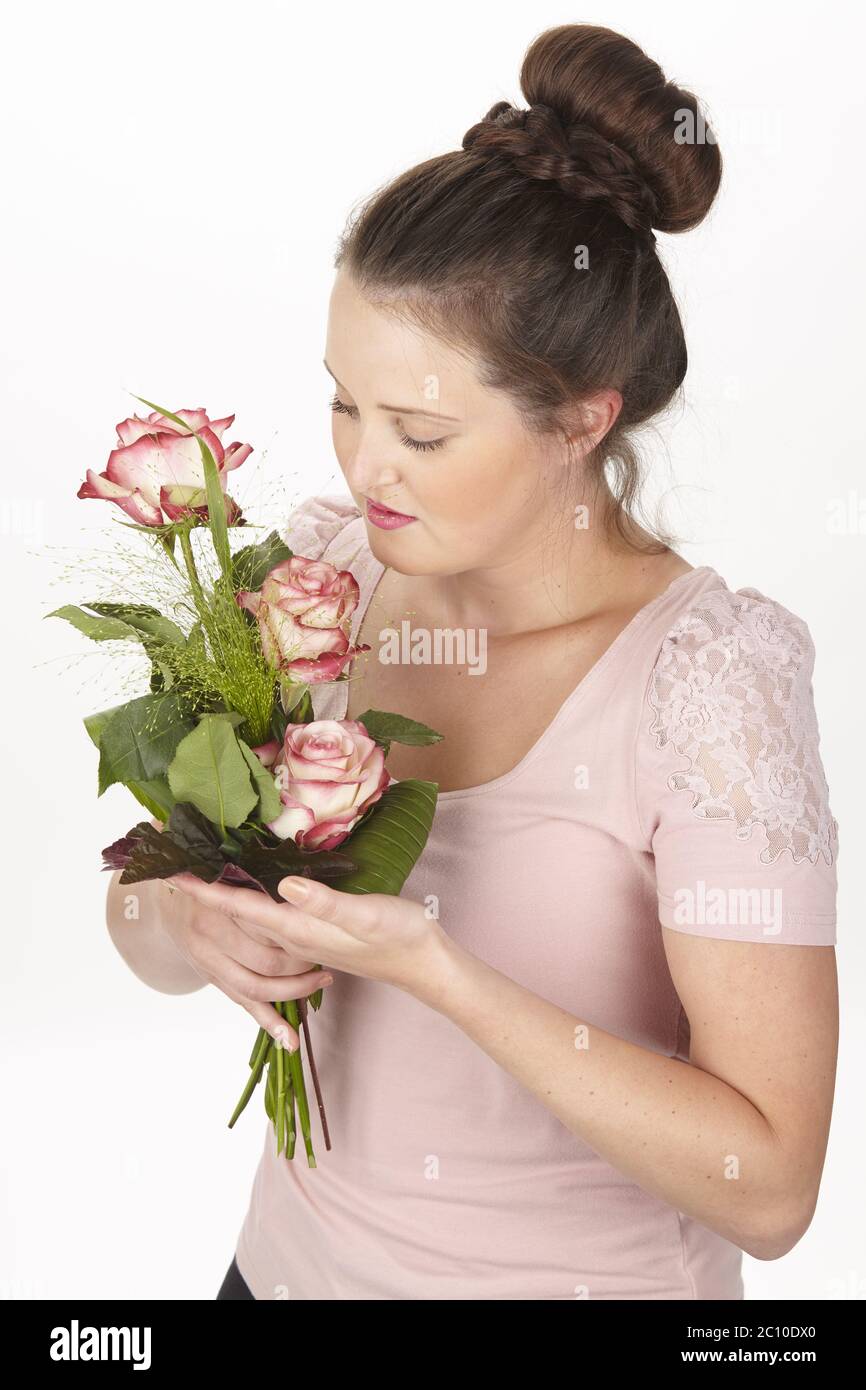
{"points": [[301, 609], [328, 773], [156, 475]]}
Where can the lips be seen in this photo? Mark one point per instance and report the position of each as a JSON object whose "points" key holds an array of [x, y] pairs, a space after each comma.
{"points": [[385, 517]]}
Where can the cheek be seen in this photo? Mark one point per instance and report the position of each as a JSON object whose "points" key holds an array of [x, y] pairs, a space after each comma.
{"points": [[340, 437], [480, 476]]}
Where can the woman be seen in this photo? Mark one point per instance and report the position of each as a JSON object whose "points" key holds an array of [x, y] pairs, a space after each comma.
{"points": [[590, 1051]]}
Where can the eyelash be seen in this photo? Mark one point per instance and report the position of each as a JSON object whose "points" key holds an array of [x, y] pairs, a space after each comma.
{"points": [[421, 446]]}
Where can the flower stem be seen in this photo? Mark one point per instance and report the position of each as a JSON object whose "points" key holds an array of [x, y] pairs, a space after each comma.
{"points": [[257, 1062], [201, 602], [281, 1098], [290, 1151], [296, 1071], [302, 1010]]}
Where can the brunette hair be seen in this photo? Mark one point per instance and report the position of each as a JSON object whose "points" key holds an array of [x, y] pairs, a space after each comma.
{"points": [[478, 245]]}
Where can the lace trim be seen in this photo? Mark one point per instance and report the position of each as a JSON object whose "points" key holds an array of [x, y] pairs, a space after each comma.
{"points": [[732, 693]]}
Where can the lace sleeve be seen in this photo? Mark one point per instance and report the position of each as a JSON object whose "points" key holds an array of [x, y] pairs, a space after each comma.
{"points": [[731, 788]]}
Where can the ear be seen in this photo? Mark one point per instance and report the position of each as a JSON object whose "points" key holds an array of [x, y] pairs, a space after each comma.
{"points": [[586, 424]]}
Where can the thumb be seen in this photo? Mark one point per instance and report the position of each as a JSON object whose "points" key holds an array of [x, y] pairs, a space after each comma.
{"points": [[316, 898]]}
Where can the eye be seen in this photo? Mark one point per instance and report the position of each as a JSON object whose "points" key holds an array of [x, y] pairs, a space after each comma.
{"points": [[422, 445], [341, 409]]}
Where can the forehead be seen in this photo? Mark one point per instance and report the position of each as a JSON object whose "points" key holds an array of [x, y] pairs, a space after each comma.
{"points": [[372, 351]]}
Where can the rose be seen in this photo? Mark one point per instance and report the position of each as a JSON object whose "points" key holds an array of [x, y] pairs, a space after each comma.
{"points": [[157, 473], [300, 610], [328, 773]]}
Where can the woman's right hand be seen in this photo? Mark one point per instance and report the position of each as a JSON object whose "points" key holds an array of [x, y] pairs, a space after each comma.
{"points": [[239, 959]]}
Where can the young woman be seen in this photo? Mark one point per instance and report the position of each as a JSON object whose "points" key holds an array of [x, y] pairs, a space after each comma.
{"points": [[590, 1051]]}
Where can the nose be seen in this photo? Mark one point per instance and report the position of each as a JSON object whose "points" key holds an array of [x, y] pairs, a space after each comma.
{"points": [[367, 473]]}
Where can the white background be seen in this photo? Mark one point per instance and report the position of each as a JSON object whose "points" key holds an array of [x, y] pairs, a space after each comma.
{"points": [[175, 180]]}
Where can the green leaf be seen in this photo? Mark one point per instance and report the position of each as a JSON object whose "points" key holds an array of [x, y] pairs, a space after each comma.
{"points": [[296, 701], [196, 642], [169, 415], [98, 629], [95, 723], [155, 793], [216, 510], [144, 619], [388, 728], [167, 541], [210, 770], [386, 845], [279, 722], [270, 804], [139, 741], [161, 676], [252, 565], [231, 716], [155, 796]]}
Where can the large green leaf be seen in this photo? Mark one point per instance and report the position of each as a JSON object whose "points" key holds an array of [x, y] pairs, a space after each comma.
{"points": [[209, 770], [252, 565], [388, 842], [154, 794], [139, 741], [95, 723], [121, 622]]}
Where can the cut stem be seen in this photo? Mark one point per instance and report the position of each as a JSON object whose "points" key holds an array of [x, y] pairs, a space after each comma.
{"points": [[257, 1062], [296, 1071]]}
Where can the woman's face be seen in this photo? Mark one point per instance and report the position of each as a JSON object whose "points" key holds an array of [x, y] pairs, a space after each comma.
{"points": [[415, 430]]}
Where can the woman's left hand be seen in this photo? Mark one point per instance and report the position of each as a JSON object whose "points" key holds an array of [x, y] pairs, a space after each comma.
{"points": [[373, 935]]}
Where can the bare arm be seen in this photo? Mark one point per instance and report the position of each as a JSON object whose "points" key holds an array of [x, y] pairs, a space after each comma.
{"points": [[736, 1137], [136, 917]]}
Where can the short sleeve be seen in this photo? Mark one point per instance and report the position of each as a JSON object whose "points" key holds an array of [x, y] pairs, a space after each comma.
{"points": [[316, 522], [731, 792]]}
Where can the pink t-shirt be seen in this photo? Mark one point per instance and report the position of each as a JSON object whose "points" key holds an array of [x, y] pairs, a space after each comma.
{"points": [[681, 783]]}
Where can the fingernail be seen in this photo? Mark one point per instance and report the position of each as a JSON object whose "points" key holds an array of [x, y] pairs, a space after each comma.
{"points": [[326, 980], [294, 888]]}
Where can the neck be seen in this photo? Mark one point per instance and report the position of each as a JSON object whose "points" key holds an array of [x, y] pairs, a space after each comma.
{"points": [[551, 575]]}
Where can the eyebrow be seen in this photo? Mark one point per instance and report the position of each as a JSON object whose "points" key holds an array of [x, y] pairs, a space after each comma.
{"points": [[403, 409]]}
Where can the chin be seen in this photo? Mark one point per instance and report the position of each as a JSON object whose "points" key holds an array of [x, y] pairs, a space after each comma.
{"points": [[404, 559]]}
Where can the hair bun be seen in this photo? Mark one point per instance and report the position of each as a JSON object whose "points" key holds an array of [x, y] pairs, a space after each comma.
{"points": [[579, 159], [603, 123]]}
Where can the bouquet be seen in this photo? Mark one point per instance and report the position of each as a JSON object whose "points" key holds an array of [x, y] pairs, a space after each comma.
{"points": [[222, 749]]}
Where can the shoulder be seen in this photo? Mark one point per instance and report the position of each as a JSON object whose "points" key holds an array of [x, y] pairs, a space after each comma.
{"points": [[317, 521], [739, 644], [730, 691]]}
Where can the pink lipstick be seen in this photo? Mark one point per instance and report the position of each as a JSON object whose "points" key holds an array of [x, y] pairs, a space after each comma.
{"points": [[385, 517]]}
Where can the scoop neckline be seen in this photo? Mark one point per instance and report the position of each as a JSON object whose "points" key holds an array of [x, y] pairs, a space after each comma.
{"points": [[589, 677]]}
